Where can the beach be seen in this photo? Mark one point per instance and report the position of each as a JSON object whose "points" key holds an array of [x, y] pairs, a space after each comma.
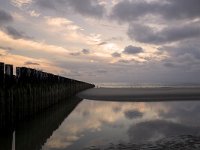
{"points": [[141, 94]]}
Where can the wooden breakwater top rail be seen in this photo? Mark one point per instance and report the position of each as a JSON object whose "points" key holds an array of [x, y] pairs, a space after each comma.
{"points": [[31, 91]]}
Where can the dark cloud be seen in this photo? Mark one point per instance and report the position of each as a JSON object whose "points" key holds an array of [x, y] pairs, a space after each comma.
{"points": [[131, 50], [49, 4], [131, 114], [183, 57], [5, 17], [155, 129], [75, 54], [15, 33], [176, 9], [191, 47], [85, 51], [31, 63], [180, 9], [88, 7], [116, 54], [84, 7], [136, 12], [146, 34], [102, 43], [130, 10]]}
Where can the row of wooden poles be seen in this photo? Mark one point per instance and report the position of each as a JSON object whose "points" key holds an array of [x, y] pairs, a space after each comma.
{"points": [[31, 91]]}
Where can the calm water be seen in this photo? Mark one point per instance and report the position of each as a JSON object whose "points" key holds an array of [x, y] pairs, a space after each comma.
{"points": [[110, 125]]}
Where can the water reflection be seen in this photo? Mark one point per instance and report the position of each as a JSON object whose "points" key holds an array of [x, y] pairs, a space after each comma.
{"points": [[6, 140], [110, 125], [95, 125], [33, 133]]}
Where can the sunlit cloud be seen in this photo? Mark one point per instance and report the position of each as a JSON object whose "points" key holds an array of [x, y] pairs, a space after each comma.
{"points": [[33, 13], [21, 3]]}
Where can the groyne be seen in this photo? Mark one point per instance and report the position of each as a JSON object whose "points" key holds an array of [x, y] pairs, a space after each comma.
{"points": [[31, 91]]}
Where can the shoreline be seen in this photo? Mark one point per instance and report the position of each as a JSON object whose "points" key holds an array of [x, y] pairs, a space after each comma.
{"points": [[142, 94]]}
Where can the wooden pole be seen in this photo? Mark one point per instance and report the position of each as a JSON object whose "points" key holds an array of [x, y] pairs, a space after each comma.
{"points": [[1, 75]]}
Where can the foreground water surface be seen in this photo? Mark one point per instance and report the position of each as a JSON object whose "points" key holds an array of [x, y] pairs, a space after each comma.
{"points": [[87, 124]]}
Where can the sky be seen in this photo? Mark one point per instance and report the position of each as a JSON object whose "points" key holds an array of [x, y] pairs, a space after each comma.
{"points": [[103, 41]]}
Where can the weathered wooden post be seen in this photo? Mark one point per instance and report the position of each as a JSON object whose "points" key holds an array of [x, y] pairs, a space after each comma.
{"points": [[1, 74], [2, 100], [8, 75], [9, 102], [9, 69]]}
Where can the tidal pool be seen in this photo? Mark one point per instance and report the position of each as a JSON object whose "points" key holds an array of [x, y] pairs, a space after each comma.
{"points": [[86, 124], [139, 125]]}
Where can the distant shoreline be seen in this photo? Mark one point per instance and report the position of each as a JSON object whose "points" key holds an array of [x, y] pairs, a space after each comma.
{"points": [[142, 94]]}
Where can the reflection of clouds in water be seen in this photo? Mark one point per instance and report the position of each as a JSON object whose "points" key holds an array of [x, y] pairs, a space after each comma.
{"points": [[94, 117], [130, 114], [60, 142], [158, 129], [184, 112], [91, 116]]}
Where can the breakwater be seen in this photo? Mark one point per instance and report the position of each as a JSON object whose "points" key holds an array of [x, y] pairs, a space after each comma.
{"points": [[31, 91]]}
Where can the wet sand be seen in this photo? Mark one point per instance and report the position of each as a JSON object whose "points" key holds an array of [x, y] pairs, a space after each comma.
{"points": [[141, 94]]}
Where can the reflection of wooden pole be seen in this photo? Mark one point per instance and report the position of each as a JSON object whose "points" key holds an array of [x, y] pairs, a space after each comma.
{"points": [[13, 141], [1, 74]]}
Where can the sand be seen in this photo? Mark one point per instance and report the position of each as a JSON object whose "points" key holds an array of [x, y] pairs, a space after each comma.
{"points": [[141, 94]]}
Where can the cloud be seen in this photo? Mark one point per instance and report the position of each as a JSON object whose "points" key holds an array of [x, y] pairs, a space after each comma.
{"points": [[33, 13], [15, 33], [131, 50], [102, 71], [7, 48], [5, 17], [184, 56], [146, 34], [170, 64], [116, 54], [32, 48], [131, 114], [89, 8], [75, 54], [129, 11], [60, 22], [124, 61], [85, 51], [183, 113], [21, 3], [191, 47], [31, 63], [162, 26], [102, 43], [158, 129]]}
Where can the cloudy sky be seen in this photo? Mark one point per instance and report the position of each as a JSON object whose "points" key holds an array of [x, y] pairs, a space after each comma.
{"points": [[130, 41]]}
